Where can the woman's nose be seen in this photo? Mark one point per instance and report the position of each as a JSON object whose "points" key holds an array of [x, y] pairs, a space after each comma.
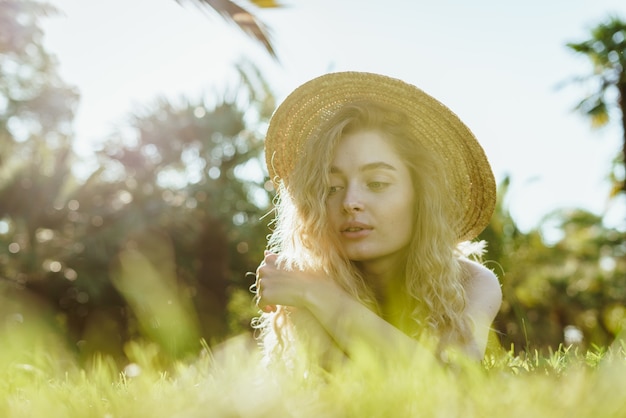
{"points": [[352, 201]]}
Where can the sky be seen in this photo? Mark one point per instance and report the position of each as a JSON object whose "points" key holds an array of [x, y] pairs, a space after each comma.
{"points": [[500, 65]]}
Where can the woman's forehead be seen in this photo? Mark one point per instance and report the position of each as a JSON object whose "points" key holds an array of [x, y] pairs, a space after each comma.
{"points": [[365, 151]]}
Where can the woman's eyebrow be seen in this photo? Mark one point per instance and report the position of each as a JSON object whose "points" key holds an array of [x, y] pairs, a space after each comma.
{"points": [[376, 166], [367, 167]]}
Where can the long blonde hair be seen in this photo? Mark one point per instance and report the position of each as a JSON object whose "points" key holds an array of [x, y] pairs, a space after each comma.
{"points": [[301, 235]]}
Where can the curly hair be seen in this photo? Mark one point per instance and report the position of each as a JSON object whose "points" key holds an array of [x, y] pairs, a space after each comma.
{"points": [[433, 299]]}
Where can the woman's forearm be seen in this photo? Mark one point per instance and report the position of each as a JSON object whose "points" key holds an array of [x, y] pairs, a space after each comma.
{"points": [[353, 326]]}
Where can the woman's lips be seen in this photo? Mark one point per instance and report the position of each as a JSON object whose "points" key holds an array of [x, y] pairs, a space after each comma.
{"points": [[355, 230]]}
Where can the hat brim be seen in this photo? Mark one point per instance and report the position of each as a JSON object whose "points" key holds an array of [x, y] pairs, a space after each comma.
{"points": [[432, 123]]}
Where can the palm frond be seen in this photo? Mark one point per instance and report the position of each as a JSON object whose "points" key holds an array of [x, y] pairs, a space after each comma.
{"points": [[241, 17], [596, 108]]}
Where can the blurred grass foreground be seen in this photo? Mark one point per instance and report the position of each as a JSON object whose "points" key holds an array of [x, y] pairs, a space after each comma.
{"points": [[39, 377], [170, 371], [233, 383]]}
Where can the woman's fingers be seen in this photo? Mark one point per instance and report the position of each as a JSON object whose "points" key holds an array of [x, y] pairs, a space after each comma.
{"points": [[269, 308], [257, 289], [259, 298], [270, 258]]}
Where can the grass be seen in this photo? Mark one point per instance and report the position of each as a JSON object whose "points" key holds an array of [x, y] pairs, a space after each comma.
{"points": [[230, 381]]}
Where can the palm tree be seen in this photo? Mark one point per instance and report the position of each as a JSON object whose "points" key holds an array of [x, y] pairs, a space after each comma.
{"points": [[606, 48], [243, 18]]}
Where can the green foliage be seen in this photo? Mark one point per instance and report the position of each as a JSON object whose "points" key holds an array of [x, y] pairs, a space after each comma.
{"points": [[606, 50], [182, 169], [180, 172], [569, 291], [36, 106]]}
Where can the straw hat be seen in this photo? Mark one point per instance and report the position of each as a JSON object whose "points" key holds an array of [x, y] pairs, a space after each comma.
{"points": [[432, 123]]}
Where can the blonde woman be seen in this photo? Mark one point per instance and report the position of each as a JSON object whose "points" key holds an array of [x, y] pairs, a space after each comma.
{"points": [[379, 185]]}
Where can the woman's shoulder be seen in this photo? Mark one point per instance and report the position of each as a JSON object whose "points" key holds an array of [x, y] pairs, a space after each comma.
{"points": [[474, 269], [482, 287]]}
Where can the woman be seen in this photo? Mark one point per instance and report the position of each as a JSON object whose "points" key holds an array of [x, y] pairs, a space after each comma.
{"points": [[378, 186]]}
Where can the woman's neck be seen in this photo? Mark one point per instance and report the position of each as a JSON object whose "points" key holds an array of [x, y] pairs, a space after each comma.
{"points": [[385, 279]]}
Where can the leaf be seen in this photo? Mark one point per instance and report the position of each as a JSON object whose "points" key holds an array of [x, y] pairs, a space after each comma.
{"points": [[599, 114], [266, 4], [246, 21]]}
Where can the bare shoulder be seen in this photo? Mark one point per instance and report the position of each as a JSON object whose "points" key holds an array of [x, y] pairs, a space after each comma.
{"points": [[483, 299], [482, 288]]}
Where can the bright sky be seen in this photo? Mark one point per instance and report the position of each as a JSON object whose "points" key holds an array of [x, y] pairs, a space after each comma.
{"points": [[496, 63]]}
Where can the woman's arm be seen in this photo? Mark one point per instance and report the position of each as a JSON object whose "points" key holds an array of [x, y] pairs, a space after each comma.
{"points": [[318, 345], [348, 322]]}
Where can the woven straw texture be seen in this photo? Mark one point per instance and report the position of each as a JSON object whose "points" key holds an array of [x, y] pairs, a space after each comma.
{"points": [[432, 123]]}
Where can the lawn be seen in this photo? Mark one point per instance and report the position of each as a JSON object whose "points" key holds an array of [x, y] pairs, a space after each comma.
{"points": [[231, 381]]}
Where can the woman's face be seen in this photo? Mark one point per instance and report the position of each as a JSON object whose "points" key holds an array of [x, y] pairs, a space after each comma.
{"points": [[372, 199]]}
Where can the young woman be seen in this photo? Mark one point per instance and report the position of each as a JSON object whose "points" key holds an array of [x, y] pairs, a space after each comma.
{"points": [[378, 186]]}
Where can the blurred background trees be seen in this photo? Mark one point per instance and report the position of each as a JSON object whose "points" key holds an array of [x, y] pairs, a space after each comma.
{"points": [[36, 113], [565, 290], [577, 281], [606, 100], [156, 241], [178, 180]]}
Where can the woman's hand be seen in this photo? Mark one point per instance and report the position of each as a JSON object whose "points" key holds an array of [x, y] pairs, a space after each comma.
{"points": [[276, 286]]}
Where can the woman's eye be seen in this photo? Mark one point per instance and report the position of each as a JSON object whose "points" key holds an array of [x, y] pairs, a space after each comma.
{"points": [[377, 185], [333, 189]]}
